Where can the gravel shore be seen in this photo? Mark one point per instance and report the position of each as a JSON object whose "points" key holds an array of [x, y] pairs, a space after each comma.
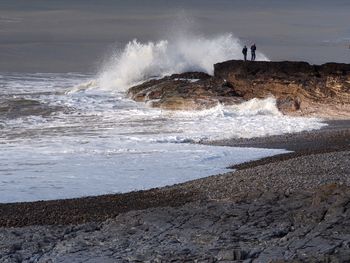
{"points": [[292, 207]]}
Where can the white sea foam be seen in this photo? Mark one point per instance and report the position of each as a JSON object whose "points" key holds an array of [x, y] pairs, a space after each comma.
{"points": [[254, 118]]}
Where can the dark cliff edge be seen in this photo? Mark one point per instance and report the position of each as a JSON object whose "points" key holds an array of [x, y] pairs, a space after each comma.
{"points": [[299, 88]]}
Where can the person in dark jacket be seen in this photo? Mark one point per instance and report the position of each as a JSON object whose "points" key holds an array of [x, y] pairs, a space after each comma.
{"points": [[245, 51], [253, 49]]}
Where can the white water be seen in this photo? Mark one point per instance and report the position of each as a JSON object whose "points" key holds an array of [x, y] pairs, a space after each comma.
{"points": [[101, 142], [140, 61]]}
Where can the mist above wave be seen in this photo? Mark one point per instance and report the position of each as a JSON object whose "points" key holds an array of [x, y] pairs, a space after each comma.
{"points": [[140, 61]]}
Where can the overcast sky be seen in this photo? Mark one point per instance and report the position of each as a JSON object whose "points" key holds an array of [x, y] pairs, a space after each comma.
{"points": [[68, 35]]}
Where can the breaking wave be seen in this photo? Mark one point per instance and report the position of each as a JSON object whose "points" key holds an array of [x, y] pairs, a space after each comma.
{"points": [[140, 61]]}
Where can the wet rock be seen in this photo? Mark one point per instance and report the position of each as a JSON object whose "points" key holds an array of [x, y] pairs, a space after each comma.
{"points": [[186, 91], [288, 104], [231, 255], [21, 107], [234, 235], [297, 87]]}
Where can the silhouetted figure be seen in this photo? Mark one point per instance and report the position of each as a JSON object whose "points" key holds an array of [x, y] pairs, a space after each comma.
{"points": [[253, 49], [245, 51]]}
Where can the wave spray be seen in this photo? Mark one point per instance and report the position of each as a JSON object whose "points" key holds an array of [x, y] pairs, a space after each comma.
{"points": [[138, 61]]}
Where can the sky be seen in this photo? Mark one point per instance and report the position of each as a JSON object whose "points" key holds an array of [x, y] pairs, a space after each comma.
{"points": [[78, 35]]}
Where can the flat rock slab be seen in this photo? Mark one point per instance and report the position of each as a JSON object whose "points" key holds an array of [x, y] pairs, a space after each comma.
{"points": [[308, 225]]}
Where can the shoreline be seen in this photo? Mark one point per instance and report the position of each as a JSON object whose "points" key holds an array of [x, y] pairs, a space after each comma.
{"points": [[333, 138], [293, 207]]}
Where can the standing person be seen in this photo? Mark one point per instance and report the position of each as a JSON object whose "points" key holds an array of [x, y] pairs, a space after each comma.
{"points": [[245, 51], [253, 49]]}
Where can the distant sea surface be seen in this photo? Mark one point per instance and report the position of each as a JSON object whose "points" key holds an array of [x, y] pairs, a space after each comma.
{"points": [[76, 36]]}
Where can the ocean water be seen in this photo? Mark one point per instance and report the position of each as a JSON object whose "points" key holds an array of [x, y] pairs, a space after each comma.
{"points": [[73, 134]]}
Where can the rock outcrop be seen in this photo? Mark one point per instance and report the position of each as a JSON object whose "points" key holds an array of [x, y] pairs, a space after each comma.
{"points": [[273, 228], [296, 85], [300, 88], [186, 91]]}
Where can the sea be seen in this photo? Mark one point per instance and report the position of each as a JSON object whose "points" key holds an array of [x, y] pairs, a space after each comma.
{"points": [[67, 135]]}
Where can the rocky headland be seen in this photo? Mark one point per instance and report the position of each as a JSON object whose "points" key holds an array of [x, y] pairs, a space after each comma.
{"points": [[299, 88]]}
